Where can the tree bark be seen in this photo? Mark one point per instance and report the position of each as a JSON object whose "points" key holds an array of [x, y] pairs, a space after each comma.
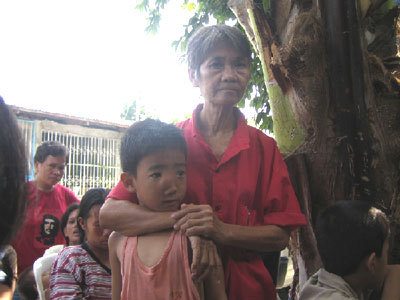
{"points": [[330, 60]]}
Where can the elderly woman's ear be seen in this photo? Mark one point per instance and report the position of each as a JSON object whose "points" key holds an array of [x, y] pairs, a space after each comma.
{"points": [[194, 77]]}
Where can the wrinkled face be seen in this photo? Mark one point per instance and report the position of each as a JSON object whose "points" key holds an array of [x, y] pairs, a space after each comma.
{"points": [[96, 236], [160, 181], [71, 230], [223, 76], [50, 172]]}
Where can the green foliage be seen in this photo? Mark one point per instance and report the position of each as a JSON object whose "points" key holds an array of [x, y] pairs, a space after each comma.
{"points": [[135, 112], [203, 12]]}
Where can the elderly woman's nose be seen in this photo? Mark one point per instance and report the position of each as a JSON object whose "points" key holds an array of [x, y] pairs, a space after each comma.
{"points": [[228, 72]]}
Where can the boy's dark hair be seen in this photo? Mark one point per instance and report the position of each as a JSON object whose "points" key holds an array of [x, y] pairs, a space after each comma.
{"points": [[207, 38], [64, 219], [347, 232], [146, 137], [91, 198], [52, 148], [27, 285]]}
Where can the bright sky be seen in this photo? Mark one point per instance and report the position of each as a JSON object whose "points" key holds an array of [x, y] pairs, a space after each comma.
{"points": [[89, 58]]}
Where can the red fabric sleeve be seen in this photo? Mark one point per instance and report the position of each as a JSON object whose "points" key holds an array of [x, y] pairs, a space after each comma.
{"points": [[284, 209], [119, 192]]}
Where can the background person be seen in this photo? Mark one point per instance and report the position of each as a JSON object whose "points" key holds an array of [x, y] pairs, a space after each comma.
{"points": [[353, 242], [13, 169], [238, 184], [13, 195], [8, 272], [69, 225], [70, 231], [47, 202], [27, 285], [83, 272]]}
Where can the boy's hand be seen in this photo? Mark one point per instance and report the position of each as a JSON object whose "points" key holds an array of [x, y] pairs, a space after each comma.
{"points": [[205, 258]]}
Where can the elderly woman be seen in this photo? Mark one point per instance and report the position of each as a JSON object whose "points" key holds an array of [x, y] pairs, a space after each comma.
{"points": [[83, 272], [238, 186]]}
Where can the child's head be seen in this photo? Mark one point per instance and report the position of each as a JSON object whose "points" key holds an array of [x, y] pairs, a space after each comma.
{"points": [[69, 225], [350, 233], [153, 158], [50, 148], [27, 285], [88, 218]]}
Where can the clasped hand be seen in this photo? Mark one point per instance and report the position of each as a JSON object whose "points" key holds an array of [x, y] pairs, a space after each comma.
{"points": [[198, 220], [200, 224]]}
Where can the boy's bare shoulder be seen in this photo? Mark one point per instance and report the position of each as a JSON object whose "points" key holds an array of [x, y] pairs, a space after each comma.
{"points": [[115, 238]]}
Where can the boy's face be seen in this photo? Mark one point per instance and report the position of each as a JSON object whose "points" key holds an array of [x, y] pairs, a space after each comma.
{"points": [[160, 181]]}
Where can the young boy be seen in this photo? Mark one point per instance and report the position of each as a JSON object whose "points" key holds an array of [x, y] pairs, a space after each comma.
{"points": [[156, 265], [353, 242]]}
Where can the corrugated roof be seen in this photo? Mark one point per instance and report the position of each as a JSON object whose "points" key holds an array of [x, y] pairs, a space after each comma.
{"points": [[32, 114]]}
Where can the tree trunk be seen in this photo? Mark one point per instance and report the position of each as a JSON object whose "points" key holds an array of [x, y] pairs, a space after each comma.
{"points": [[335, 65]]}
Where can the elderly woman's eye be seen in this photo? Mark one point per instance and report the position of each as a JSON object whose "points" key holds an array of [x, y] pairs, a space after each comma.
{"points": [[216, 65], [240, 64]]}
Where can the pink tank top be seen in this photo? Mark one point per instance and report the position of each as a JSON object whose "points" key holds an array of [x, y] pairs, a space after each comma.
{"points": [[168, 279]]}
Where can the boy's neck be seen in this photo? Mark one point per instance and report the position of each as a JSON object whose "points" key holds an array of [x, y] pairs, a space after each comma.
{"points": [[357, 282], [150, 247]]}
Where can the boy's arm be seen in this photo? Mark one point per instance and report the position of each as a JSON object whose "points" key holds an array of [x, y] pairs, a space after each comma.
{"points": [[131, 219], [115, 243], [214, 283], [391, 287]]}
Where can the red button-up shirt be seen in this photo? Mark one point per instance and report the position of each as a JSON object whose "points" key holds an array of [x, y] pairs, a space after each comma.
{"points": [[248, 186]]}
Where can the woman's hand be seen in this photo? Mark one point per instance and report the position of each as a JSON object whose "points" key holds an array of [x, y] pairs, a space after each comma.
{"points": [[199, 220]]}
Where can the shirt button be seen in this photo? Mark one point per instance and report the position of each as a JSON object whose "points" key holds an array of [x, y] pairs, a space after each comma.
{"points": [[218, 207], [217, 171]]}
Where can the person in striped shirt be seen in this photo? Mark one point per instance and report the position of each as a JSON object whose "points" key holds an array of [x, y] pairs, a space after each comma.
{"points": [[83, 272]]}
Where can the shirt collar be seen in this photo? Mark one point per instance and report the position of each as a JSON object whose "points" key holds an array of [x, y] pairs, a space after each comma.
{"points": [[240, 139], [336, 282], [241, 120]]}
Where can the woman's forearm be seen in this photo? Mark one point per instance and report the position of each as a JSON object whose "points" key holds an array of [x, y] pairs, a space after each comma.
{"points": [[200, 220], [264, 238], [131, 219]]}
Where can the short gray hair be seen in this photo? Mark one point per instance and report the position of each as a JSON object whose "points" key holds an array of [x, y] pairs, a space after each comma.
{"points": [[207, 38]]}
